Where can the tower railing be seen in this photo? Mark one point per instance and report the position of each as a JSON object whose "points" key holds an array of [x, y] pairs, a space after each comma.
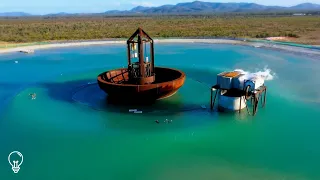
{"points": [[134, 70]]}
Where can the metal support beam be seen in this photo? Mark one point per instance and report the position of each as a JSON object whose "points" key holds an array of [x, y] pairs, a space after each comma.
{"points": [[141, 55], [152, 56], [211, 107], [129, 53]]}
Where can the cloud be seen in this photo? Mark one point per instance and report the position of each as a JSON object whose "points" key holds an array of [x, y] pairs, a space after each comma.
{"points": [[144, 3]]}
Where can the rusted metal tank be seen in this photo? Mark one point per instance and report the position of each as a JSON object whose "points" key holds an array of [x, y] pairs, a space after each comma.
{"points": [[115, 84], [141, 81]]}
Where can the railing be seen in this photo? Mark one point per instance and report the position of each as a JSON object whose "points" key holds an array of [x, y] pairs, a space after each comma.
{"points": [[111, 79], [134, 70]]}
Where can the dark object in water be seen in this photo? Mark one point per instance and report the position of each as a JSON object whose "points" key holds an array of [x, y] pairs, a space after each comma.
{"points": [[141, 81], [33, 96], [156, 121]]}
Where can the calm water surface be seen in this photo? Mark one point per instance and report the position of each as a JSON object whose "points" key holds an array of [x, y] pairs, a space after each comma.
{"points": [[69, 132]]}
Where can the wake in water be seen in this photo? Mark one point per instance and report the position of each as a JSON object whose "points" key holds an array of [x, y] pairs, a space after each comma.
{"points": [[266, 74]]}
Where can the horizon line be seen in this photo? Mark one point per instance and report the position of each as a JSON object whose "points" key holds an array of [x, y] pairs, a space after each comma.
{"points": [[154, 6]]}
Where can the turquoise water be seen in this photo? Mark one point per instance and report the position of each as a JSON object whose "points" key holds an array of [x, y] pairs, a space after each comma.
{"points": [[69, 132]]}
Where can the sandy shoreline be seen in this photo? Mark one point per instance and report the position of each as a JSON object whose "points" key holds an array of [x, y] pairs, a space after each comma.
{"points": [[209, 41]]}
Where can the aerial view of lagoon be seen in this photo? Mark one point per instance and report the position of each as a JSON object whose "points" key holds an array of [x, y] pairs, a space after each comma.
{"points": [[70, 132]]}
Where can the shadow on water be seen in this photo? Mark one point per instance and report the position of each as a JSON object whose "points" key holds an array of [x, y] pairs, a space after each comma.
{"points": [[8, 92], [184, 108], [88, 93]]}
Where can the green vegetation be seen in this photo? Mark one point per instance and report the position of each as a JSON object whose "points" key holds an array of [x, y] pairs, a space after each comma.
{"points": [[302, 29]]}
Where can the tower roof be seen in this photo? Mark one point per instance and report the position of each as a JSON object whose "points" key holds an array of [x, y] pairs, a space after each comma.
{"points": [[143, 36]]}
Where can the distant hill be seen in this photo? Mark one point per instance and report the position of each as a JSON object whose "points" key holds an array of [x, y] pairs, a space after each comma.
{"points": [[197, 7], [140, 8], [212, 7], [14, 14], [59, 14], [306, 6]]}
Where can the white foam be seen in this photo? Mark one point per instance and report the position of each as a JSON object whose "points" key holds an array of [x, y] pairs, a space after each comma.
{"points": [[266, 74]]}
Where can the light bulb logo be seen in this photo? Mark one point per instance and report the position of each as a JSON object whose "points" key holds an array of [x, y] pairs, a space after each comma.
{"points": [[15, 161]]}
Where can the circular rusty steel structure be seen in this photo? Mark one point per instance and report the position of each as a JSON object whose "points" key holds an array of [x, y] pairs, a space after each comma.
{"points": [[115, 83], [141, 81]]}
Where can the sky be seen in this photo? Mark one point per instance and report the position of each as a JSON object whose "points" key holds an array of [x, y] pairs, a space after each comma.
{"points": [[41, 7]]}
